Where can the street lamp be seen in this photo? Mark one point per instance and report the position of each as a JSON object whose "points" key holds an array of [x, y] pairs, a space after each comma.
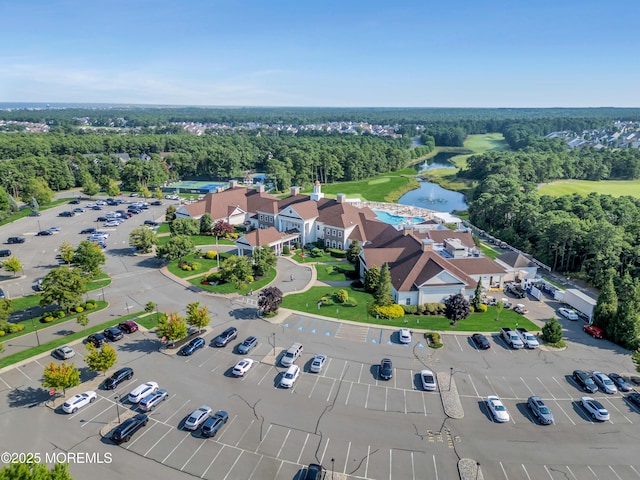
{"points": [[450, 377], [477, 469], [274, 343], [117, 398], [333, 460], [33, 324], [103, 297]]}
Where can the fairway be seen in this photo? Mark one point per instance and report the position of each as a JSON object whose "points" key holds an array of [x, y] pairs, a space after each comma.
{"points": [[484, 142], [616, 188]]}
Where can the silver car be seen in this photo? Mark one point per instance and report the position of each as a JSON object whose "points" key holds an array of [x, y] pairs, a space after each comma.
{"points": [[317, 363], [540, 410], [152, 400], [197, 418], [604, 382]]}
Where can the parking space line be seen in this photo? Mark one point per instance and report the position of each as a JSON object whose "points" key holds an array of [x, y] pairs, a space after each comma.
{"points": [[20, 370], [343, 370], [245, 432], [346, 461], [302, 449], [510, 387], [140, 436], [562, 387], [183, 405], [435, 467], [366, 465], [527, 473], [614, 472], [159, 440], [234, 464], [424, 405], [619, 411], [633, 407], [572, 474], [211, 357], [284, 442], [360, 374], [503, 471], [279, 468], [366, 402], [265, 436], [39, 364], [404, 394], [636, 472], [594, 473], [325, 450], [256, 467], [326, 367], [458, 342], [314, 386], [527, 385], [556, 400], [331, 389], [395, 376], [96, 416], [2, 379], [548, 472], [79, 412], [413, 468], [474, 386], [174, 448], [213, 460], [346, 402], [390, 463], [227, 428], [193, 455], [264, 376], [386, 392]]}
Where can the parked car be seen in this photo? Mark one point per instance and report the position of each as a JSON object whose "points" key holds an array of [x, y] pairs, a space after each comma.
{"points": [[315, 471], [112, 223], [15, 240], [386, 369], [620, 382], [585, 381], [117, 378], [515, 290], [102, 219], [71, 405], [242, 367], [540, 410], [75, 201], [595, 409], [151, 223], [247, 345], [290, 376], [126, 429], [197, 418], [78, 210], [97, 339], [5, 253], [156, 203], [568, 314], [497, 409], [192, 346], [44, 233], [113, 334], [96, 207], [152, 400], [634, 398], [2, 294], [594, 331], [128, 326], [142, 391], [35, 214], [225, 337], [86, 231], [405, 336], [63, 353], [604, 382], [481, 341], [66, 214], [317, 363], [428, 380], [214, 423]]}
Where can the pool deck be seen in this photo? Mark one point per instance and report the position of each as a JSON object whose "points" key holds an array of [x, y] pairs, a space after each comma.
{"points": [[401, 210]]}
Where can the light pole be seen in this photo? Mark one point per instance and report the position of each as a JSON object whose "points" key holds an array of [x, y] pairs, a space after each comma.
{"points": [[450, 377], [103, 297], [477, 469], [33, 324], [117, 398], [274, 343], [333, 461]]}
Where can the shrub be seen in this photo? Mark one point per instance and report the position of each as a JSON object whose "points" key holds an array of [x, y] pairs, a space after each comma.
{"points": [[212, 277], [482, 308], [351, 302], [286, 250], [434, 339], [47, 319], [358, 285], [410, 309], [186, 267], [195, 266], [334, 252], [211, 254], [421, 309], [79, 309], [387, 311], [2, 334], [330, 269], [59, 313], [316, 252], [430, 308], [341, 296], [89, 305]]}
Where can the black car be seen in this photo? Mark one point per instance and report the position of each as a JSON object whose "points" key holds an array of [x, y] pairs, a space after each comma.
{"points": [[192, 346], [634, 398], [97, 207], [44, 233], [117, 378], [123, 432], [315, 471], [620, 382], [66, 214], [98, 339], [386, 369], [247, 345], [134, 210], [15, 240], [87, 231], [516, 290], [585, 380], [75, 201], [211, 426], [151, 223], [102, 219], [225, 337], [5, 253], [35, 214], [2, 294], [481, 341], [113, 334], [156, 203]]}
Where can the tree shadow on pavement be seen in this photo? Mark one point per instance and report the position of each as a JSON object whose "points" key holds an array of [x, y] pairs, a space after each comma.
{"points": [[243, 313], [27, 397], [141, 345]]}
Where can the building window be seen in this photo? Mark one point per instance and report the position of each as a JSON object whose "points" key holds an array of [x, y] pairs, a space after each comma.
{"points": [[261, 217], [333, 232], [339, 233], [339, 246], [333, 244], [318, 227], [407, 301]]}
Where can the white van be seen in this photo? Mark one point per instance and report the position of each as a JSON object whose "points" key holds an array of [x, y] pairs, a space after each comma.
{"points": [[291, 355]]}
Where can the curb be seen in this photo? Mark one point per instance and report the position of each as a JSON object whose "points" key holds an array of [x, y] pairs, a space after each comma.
{"points": [[469, 469], [450, 397]]}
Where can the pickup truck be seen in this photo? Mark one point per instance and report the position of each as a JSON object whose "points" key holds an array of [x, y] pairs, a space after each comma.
{"points": [[511, 337], [515, 290], [529, 340]]}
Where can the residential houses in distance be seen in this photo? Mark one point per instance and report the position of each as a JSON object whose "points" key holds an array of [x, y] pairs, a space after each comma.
{"points": [[428, 262], [619, 135]]}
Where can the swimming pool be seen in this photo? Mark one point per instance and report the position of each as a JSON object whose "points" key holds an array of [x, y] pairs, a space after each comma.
{"points": [[386, 217]]}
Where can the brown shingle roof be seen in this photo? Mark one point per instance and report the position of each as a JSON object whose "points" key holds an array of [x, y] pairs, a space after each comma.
{"points": [[262, 237], [515, 260], [439, 236], [477, 266]]}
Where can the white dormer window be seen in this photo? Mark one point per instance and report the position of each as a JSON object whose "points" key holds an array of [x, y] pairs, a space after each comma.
{"points": [[339, 233], [261, 217]]}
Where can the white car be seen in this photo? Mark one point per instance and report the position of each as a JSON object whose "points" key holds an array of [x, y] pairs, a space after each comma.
{"points": [[428, 380], [497, 409], [242, 367], [317, 363], [112, 223], [405, 336], [142, 391], [568, 313], [595, 409], [290, 376], [197, 418], [72, 404]]}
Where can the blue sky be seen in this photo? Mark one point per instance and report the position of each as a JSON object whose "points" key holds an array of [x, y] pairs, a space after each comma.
{"points": [[458, 53]]}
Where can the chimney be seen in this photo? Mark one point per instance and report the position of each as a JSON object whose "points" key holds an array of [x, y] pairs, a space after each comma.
{"points": [[295, 191], [341, 198], [233, 183], [427, 245], [407, 229], [260, 188]]}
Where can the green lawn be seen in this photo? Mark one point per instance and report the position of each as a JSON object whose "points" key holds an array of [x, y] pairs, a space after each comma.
{"points": [[205, 266], [616, 188], [100, 281], [225, 288], [488, 250], [163, 228], [199, 240], [325, 258], [45, 347], [476, 322], [22, 303], [26, 211], [335, 272]]}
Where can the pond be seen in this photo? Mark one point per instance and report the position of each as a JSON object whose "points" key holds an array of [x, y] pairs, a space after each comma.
{"points": [[433, 197], [441, 160]]}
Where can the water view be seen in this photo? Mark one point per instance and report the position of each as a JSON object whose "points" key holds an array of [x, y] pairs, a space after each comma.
{"points": [[441, 160], [433, 197]]}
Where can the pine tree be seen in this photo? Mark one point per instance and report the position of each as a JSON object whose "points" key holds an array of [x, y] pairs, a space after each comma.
{"points": [[372, 279], [624, 326], [607, 304], [383, 292], [552, 331], [353, 252], [476, 301]]}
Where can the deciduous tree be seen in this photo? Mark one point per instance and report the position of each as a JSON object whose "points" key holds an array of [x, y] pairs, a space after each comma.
{"points": [[184, 226], [206, 224], [35, 471], [222, 229], [6, 307], [172, 327], [90, 187], [143, 239], [83, 320], [197, 317], [100, 359], [456, 307], [60, 376], [607, 304], [236, 270], [170, 213], [89, 257], [263, 259], [177, 247], [67, 252], [63, 286], [13, 265], [270, 299]]}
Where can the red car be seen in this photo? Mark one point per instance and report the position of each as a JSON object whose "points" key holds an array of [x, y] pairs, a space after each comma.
{"points": [[594, 331], [128, 326]]}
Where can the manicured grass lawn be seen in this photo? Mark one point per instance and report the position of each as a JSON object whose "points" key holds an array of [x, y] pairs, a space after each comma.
{"points": [[22, 303], [486, 142], [33, 323], [200, 240], [476, 322], [335, 273], [101, 281], [26, 211], [229, 288], [326, 258], [488, 250], [374, 189], [45, 347], [149, 321], [616, 188], [163, 228], [205, 266]]}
